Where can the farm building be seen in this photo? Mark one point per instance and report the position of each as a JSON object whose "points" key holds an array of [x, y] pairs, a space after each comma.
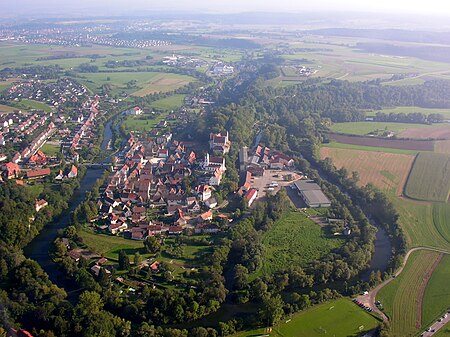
{"points": [[312, 194]]}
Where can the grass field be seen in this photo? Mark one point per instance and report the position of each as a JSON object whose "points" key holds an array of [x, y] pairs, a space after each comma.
{"points": [[110, 245], [27, 105], [421, 227], [429, 178], [295, 240], [6, 108], [169, 103], [364, 128], [340, 318], [437, 293], [399, 296], [143, 123], [146, 82], [387, 171], [337, 145], [50, 150]]}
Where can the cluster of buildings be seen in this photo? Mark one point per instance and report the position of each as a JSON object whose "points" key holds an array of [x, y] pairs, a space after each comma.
{"points": [[77, 36], [165, 176], [222, 69], [16, 126], [54, 93], [262, 158], [184, 61], [83, 133]]}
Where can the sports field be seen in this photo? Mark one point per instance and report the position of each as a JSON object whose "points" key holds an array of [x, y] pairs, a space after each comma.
{"points": [[402, 298], [429, 178], [387, 171], [340, 318], [295, 240]]}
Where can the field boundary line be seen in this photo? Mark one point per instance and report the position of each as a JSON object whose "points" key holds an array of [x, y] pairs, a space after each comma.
{"points": [[409, 176]]}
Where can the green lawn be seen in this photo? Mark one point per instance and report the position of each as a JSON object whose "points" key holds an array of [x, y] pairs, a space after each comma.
{"points": [[143, 123], [399, 296], [110, 245], [27, 104], [429, 178], [367, 148], [50, 150], [340, 318], [364, 128], [295, 240], [437, 294], [169, 103]]}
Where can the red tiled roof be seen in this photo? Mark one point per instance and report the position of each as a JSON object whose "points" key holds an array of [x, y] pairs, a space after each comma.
{"points": [[38, 173]]}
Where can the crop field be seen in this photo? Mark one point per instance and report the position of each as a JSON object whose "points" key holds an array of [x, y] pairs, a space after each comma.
{"points": [[439, 131], [421, 227], [402, 298], [18, 55], [387, 171], [295, 240], [364, 128], [340, 318], [437, 293], [146, 82], [336, 145], [404, 144], [441, 216], [344, 61], [442, 146], [169, 103], [429, 178]]}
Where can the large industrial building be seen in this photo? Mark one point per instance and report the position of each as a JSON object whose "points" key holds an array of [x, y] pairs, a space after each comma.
{"points": [[312, 194]]}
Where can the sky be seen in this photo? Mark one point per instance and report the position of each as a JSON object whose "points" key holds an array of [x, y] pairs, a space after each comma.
{"points": [[108, 7]]}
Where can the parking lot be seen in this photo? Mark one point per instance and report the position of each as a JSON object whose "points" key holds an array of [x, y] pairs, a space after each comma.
{"points": [[272, 181]]}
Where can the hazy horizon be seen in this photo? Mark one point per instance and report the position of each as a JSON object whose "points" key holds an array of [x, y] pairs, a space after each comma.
{"points": [[121, 7]]}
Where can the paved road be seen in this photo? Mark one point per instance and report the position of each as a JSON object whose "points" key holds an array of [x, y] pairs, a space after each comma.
{"points": [[370, 298], [434, 328]]}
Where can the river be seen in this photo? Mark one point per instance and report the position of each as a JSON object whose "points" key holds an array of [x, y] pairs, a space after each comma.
{"points": [[38, 248], [382, 254]]}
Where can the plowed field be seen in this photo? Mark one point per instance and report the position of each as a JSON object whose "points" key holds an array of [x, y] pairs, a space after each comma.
{"points": [[388, 171]]}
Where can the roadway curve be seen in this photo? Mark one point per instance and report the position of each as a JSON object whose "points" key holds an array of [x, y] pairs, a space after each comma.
{"points": [[370, 298]]}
